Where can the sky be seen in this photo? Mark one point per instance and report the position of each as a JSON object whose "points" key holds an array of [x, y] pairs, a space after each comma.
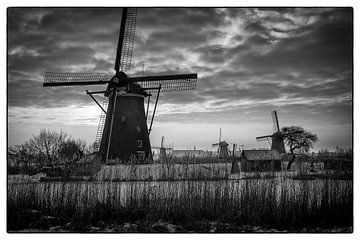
{"points": [[249, 61]]}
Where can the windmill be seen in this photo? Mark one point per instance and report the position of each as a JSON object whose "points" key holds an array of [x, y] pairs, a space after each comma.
{"points": [[277, 138], [223, 151], [163, 149], [123, 132]]}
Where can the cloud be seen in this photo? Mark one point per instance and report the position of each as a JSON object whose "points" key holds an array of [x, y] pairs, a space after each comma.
{"points": [[248, 60], [70, 39]]}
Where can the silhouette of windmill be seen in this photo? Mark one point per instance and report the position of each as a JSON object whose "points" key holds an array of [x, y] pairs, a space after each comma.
{"points": [[163, 149], [123, 132], [223, 151], [277, 138]]}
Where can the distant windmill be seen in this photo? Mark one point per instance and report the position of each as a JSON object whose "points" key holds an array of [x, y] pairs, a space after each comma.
{"points": [[222, 148], [163, 149], [123, 130], [277, 138]]}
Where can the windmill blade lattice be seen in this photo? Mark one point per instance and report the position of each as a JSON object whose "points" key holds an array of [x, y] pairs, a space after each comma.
{"points": [[169, 83], [53, 79], [128, 41], [101, 126]]}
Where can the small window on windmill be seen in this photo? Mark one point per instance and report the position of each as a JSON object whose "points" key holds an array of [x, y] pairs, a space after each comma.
{"points": [[138, 128], [139, 143], [123, 118], [140, 154]]}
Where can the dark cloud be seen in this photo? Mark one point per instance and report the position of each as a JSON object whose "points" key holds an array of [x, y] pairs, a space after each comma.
{"points": [[328, 44], [185, 18], [212, 53], [36, 37], [24, 91]]}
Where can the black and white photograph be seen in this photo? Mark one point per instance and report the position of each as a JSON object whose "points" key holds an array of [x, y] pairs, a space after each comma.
{"points": [[179, 119]]}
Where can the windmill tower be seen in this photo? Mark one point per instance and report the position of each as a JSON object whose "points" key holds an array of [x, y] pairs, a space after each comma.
{"points": [[162, 149], [223, 151], [277, 138], [123, 132]]}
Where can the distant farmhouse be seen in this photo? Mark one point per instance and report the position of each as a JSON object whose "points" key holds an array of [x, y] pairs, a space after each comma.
{"points": [[260, 160]]}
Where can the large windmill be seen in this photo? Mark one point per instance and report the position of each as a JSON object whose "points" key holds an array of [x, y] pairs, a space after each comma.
{"points": [[124, 132], [277, 138], [223, 151]]}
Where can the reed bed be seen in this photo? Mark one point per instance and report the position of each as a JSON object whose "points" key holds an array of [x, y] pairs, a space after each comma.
{"points": [[163, 171], [190, 171], [273, 203]]}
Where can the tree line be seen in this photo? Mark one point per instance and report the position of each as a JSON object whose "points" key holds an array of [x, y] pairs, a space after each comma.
{"points": [[46, 149], [50, 148]]}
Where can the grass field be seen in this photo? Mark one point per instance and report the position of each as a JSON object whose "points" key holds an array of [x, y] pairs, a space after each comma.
{"points": [[277, 203]]}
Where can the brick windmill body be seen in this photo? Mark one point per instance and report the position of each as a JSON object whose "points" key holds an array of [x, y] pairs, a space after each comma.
{"points": [[124, 133]]}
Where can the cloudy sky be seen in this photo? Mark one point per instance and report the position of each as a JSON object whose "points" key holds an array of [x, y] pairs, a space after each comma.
{"points": [[249, 63]]}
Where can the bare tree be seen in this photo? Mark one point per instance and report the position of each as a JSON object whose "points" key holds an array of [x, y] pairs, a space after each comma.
{"points": [[298, 140], [22, 158], [47, 149], [13, 158], [47, 145]]}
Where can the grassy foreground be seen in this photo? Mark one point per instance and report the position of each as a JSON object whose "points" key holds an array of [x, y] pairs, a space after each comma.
{"points": [[232, 206]]}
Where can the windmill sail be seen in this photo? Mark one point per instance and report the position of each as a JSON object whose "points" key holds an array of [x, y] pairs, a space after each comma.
{"points": [[128, 41], [101, 126], [53, 79], [218, 143], [264, 138], [162, 141], [169, 83], [220, 136], [275, 121]]}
